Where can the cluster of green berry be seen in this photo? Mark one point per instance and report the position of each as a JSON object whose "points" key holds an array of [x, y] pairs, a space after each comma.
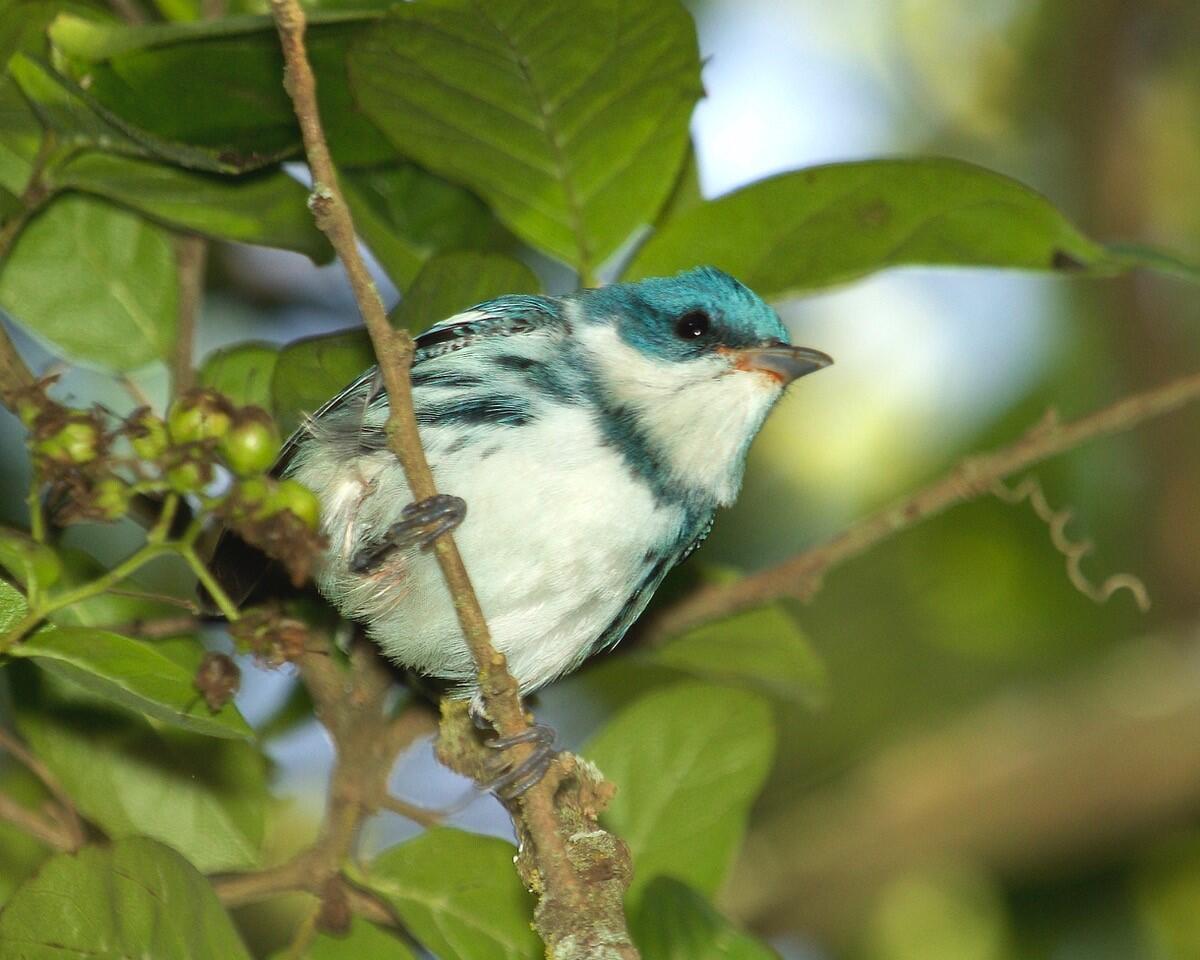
{"points": [[95, 466]]}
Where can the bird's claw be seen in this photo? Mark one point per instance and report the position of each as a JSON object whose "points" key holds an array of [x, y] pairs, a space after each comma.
{"points": [[515, 780], [422, 523]]}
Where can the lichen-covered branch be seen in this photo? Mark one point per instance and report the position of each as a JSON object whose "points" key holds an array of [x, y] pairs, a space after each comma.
{"points": [[978, 475], [566, 919]]}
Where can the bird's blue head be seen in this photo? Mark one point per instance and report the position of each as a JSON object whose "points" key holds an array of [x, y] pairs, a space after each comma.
{"points": [[694, 363]]}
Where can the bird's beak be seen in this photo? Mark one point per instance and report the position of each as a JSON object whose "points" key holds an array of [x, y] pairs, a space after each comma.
{"points": [[782, 361]]}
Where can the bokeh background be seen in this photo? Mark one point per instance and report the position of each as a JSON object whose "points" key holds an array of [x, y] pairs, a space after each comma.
{"points": [[995, 767]]}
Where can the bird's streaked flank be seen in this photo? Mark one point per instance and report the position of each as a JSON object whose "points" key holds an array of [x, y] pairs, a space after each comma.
{"points": [[584, 444]]}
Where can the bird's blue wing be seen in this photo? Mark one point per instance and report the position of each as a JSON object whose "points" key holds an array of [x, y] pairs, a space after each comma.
{"points": [[240, 568], [483, 323]]}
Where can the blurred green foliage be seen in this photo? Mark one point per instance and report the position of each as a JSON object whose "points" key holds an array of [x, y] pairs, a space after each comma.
{"points": [[507, 148]]}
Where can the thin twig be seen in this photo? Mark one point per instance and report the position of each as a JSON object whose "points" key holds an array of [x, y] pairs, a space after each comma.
{"points": [[191, 256], [38, 826], [411, 811], [563, 891], [73, 830], [976, 476]]}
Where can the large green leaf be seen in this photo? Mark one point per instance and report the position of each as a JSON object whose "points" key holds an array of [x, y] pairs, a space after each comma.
{"points": [[268, 208], [310, 371], [202, 796], [459, 894], [104, 609], [135, 898], [405, 214], [13, 607], [20, 853], [451, 282], [673, 922], [27, 560], [816, 227], [687, 762], [132, 674], [763, 648], [216, 85], [98, 282], [242, 372], [79, 120], [363, 941], [573, 135]]}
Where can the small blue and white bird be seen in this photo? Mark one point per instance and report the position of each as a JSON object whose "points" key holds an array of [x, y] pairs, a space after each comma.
{"points": [[592, 437]]}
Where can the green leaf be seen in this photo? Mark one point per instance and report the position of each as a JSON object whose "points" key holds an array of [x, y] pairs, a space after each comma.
{"points": [[103, 609], [687, 762], [98, 282], [242, 372], [269, 208], [364, 941], [674, 922], [136, 898], [312, 370], [572, 136], [27, 560], [13, 607], [132, 674], [825, 225], [204, 797], [763, 648], [79, 120], [159, 80], [405, 214], [452, 282], [459, 894], [20, 853]]}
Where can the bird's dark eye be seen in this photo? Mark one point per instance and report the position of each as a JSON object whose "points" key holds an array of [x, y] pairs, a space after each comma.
{"points": [[692, 326]]}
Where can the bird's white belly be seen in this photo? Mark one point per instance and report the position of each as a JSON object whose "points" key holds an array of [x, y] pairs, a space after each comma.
{"points": [[555, 539]]}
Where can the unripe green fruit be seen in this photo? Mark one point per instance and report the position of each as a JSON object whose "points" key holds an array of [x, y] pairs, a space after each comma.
{"points": [[187, 476], [77, 441], [199, 415], [149, 437], [293, 496], [111, 497], [251, 446]]}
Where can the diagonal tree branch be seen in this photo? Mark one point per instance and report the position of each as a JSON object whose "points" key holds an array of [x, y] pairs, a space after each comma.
{"points": [[801, 576], [566, 919]]}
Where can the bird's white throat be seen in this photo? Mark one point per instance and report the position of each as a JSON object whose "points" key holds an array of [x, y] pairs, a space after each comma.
{"points": [[699, 415]]}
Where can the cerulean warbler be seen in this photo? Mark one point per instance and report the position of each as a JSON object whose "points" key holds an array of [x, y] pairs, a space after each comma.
{"points": [[592, 437]]}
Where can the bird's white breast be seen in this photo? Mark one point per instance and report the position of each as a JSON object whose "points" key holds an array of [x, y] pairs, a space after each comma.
{"points": [[556, 537]]}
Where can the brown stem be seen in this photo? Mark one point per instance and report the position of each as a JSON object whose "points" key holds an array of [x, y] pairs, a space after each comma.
{"points": [[801, 575], [562, 889], [69, 827], [14, 374], [191, 255], [38, 826]]}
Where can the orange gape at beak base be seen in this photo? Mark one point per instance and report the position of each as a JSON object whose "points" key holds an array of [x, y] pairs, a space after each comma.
{"points": [[780, 361]]}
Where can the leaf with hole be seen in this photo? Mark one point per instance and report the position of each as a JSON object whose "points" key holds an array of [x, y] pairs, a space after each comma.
{"points": [[825, 225], [684, 794], [574, 137], [117, 305], [459, 895], [135, 898]]}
